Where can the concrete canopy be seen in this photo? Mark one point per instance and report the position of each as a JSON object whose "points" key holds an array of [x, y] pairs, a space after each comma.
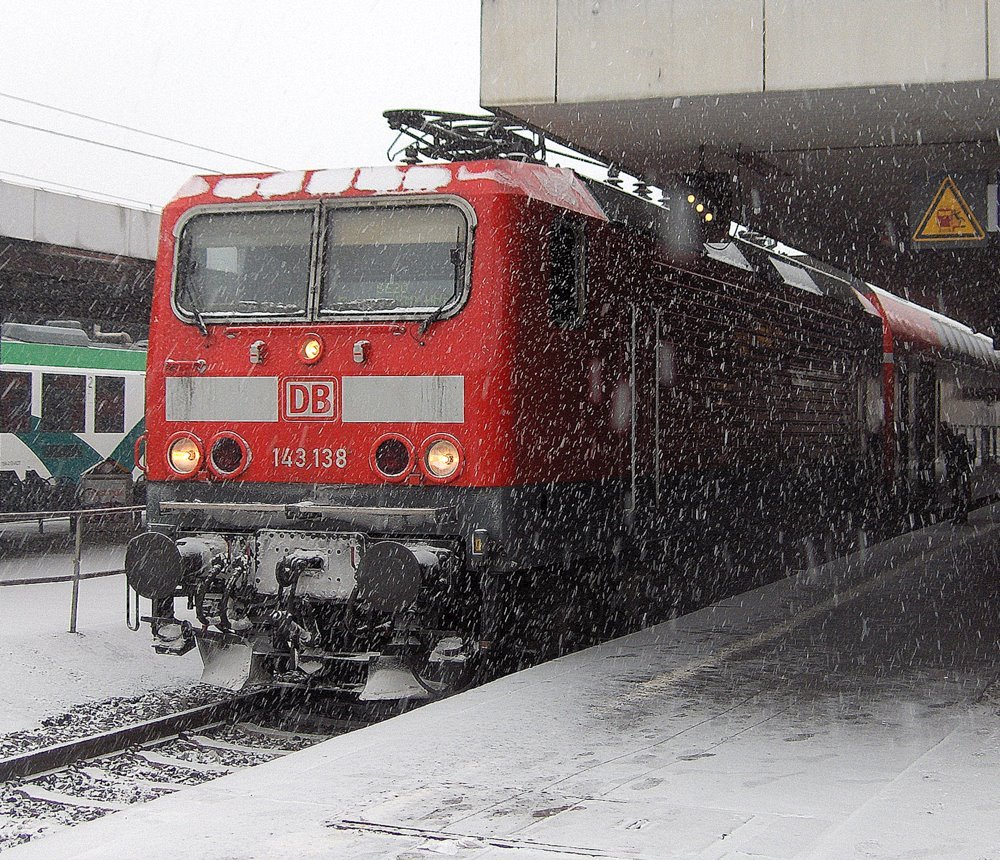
{"points": [[65, 257], [829, 113]]}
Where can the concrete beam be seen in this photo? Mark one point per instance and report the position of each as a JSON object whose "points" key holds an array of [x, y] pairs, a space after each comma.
{"points": [[580, 51], [618, 49], [74, 222], [518, 53], [862, 43]]}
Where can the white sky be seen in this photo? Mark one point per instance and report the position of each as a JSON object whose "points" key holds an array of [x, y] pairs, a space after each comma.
{"points": [[293, 83]]}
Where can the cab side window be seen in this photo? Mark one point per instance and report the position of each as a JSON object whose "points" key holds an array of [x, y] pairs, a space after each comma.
{"points": [[64, 403], [15, 402], [109, 404], [567, 273]]}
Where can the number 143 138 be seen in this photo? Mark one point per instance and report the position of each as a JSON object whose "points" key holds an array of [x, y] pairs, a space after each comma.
{"points": [[310, 458]]}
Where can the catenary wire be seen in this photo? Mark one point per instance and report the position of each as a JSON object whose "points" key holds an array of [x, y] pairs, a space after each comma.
{"points": [[136, 130], [109, 145]]}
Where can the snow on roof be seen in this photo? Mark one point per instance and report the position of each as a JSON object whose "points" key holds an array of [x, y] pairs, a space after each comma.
{"points": [[909, 322], [924, 328], [557, 186]]}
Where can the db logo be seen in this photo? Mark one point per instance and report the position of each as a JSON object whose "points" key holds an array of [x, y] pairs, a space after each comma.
{"points": [[310, 399]]}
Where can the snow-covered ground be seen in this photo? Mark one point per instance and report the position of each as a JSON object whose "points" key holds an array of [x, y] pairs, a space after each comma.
{"points": [[25, 553], [46, 670], [844, 712]]}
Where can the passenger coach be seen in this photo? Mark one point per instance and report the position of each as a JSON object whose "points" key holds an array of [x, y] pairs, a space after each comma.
{"points": [[71, 412]]}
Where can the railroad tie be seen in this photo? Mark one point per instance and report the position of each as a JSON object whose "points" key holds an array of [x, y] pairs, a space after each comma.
{"points": [[172, 761], [47, 795], [216, 744]]}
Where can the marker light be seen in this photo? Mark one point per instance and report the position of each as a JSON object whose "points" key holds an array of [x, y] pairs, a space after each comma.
{"points": [[691, 198], [311, 349], [392, 456], [227, 456], [184, 455], [709, 216], [442, 458], [700, 207]]}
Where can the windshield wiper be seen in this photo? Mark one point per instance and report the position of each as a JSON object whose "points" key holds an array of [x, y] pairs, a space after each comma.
{"points": [[457, 258], [433, 318], [195, 310], [185, 275]]}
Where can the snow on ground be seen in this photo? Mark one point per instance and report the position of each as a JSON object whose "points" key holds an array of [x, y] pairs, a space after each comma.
{"points": [[835, 714], [26, 553], [45, 669]]}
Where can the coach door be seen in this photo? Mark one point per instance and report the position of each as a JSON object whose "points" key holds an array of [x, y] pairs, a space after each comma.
{"points": [[925, 421], [917, 413], [644, 414]]}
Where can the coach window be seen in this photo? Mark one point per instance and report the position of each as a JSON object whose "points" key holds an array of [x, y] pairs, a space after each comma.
{"points": [[15, 402], [64, 406], [394, 260], [109, 404], [567, 278], [245, 263]]}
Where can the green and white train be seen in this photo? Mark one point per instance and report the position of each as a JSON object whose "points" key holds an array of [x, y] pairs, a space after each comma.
{"points": [[71, 414]]}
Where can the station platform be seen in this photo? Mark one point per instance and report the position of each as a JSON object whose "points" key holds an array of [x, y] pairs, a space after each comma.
{"points": [[846, 711]]}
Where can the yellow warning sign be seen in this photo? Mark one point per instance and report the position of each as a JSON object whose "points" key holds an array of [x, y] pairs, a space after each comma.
{"points": [[949, 218]]}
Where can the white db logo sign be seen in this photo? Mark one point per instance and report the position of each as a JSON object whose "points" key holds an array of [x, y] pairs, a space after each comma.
{"points": [[310, 399]]}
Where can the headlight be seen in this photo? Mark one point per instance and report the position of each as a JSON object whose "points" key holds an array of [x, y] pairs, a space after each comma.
{"points": [[442, 458], [184, 455], [311, 349]]}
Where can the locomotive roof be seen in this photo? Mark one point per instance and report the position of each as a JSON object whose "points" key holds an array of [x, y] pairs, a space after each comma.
{"points": [[554, 185]]}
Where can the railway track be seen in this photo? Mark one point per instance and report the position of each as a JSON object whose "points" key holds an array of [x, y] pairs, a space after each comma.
{"points": [[74, 781]]}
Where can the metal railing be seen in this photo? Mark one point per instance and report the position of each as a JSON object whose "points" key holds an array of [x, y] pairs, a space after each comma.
{"points": [[76, 518]]}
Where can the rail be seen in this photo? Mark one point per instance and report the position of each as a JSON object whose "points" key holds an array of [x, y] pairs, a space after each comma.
{"points": [[64, 754], [77, 518]]}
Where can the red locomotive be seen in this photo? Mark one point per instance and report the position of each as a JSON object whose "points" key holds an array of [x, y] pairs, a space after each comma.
{"points": [[391, 411]]}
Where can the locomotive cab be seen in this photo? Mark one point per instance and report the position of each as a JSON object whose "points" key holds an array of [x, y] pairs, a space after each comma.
{"points": [[331, 451]]}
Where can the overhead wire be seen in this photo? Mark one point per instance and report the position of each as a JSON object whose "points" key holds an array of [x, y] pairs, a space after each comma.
{"points": [[137, 130], [126, 149]]}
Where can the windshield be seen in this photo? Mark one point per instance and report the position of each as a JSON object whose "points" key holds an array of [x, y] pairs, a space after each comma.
{"points": [[245, 263], [393, 258], [405, 259]]}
